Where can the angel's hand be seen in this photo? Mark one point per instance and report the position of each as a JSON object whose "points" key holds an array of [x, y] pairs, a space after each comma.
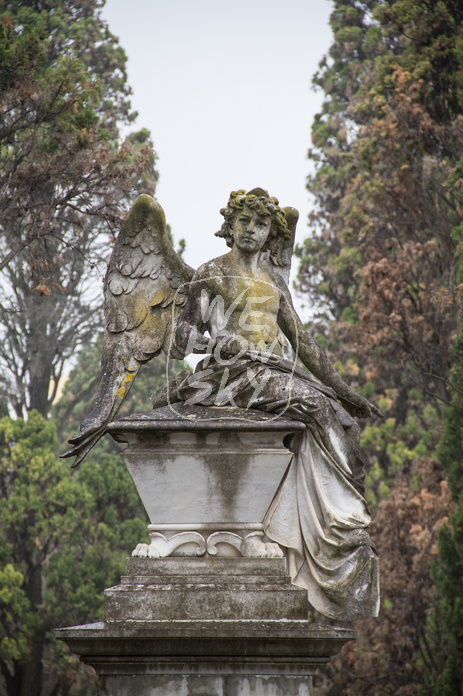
{"points": [[229, 346], [189, 339], [359, 407]]}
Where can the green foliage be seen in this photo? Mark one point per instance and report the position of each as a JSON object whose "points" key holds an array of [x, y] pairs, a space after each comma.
{"points": [[392, 448], [451, 445], [15, 605], [63, 540], [447, 619], [65, 535]]}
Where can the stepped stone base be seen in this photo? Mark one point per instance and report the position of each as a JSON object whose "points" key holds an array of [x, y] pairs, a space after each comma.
{"points": [[197, 588], [157, 640], [205, 658]]}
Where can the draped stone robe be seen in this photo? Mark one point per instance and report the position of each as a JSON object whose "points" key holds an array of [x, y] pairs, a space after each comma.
{"points": [[319, 512]]}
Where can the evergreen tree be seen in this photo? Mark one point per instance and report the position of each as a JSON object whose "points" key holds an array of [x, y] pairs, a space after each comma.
{"points": [[381, 268], [63, 540], [446, 622], [65, 183], [381, 259]]}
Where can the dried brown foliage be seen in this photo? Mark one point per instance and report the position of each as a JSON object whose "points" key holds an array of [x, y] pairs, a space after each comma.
{"points": [[392, 652]]}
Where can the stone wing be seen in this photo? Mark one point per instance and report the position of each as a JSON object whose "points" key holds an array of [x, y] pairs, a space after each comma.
{"points": [[282, 250], [145, 288]]}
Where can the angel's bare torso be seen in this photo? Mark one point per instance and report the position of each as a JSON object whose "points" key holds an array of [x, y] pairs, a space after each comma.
{"points": [[230, 304]]}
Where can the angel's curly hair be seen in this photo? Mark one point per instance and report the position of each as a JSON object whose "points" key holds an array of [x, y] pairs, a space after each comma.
{"points": [[265, 205]]}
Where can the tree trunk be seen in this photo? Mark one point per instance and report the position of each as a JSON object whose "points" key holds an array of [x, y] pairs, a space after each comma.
{"points": [[31, 682], [41, 349]]}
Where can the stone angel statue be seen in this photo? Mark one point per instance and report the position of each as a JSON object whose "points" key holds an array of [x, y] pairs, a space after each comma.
{"points": [[237, 310], [145, 289]]}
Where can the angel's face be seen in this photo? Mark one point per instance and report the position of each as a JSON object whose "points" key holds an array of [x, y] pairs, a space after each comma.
{"points": [[250, 230]]}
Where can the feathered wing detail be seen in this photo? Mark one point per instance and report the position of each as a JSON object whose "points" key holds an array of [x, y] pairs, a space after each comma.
{"points": [[282, 249], [278, 258], [145, 288]]}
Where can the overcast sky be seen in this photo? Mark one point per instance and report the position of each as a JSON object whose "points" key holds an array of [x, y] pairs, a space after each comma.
{"points": [[225, 89]]}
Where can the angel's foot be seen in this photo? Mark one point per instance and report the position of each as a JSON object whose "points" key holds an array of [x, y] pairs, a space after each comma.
{"points": [[255, 546], [146, 551]]}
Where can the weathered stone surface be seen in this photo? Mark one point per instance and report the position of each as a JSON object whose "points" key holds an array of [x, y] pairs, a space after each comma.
{"points": [[205, 465], [266, 640], [247, 567], [205, 658], [179, 416], [194, 685], [192, 588], [267, 656], [183, 601], [275, 647]]}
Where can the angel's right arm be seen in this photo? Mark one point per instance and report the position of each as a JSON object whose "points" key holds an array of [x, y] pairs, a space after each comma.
{"points": [[189, 337]]}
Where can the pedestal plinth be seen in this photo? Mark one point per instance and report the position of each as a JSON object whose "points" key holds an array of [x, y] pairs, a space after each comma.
{"points": [[205, 658], [207, 608]]}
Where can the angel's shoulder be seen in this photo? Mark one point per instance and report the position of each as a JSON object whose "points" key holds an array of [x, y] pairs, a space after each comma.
{"points": [[277, 280], [212, 268]]}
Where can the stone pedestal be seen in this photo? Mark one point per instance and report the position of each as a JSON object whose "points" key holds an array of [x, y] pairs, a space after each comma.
{"points": [[207, 607], [206, 476], [205, 658]]}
